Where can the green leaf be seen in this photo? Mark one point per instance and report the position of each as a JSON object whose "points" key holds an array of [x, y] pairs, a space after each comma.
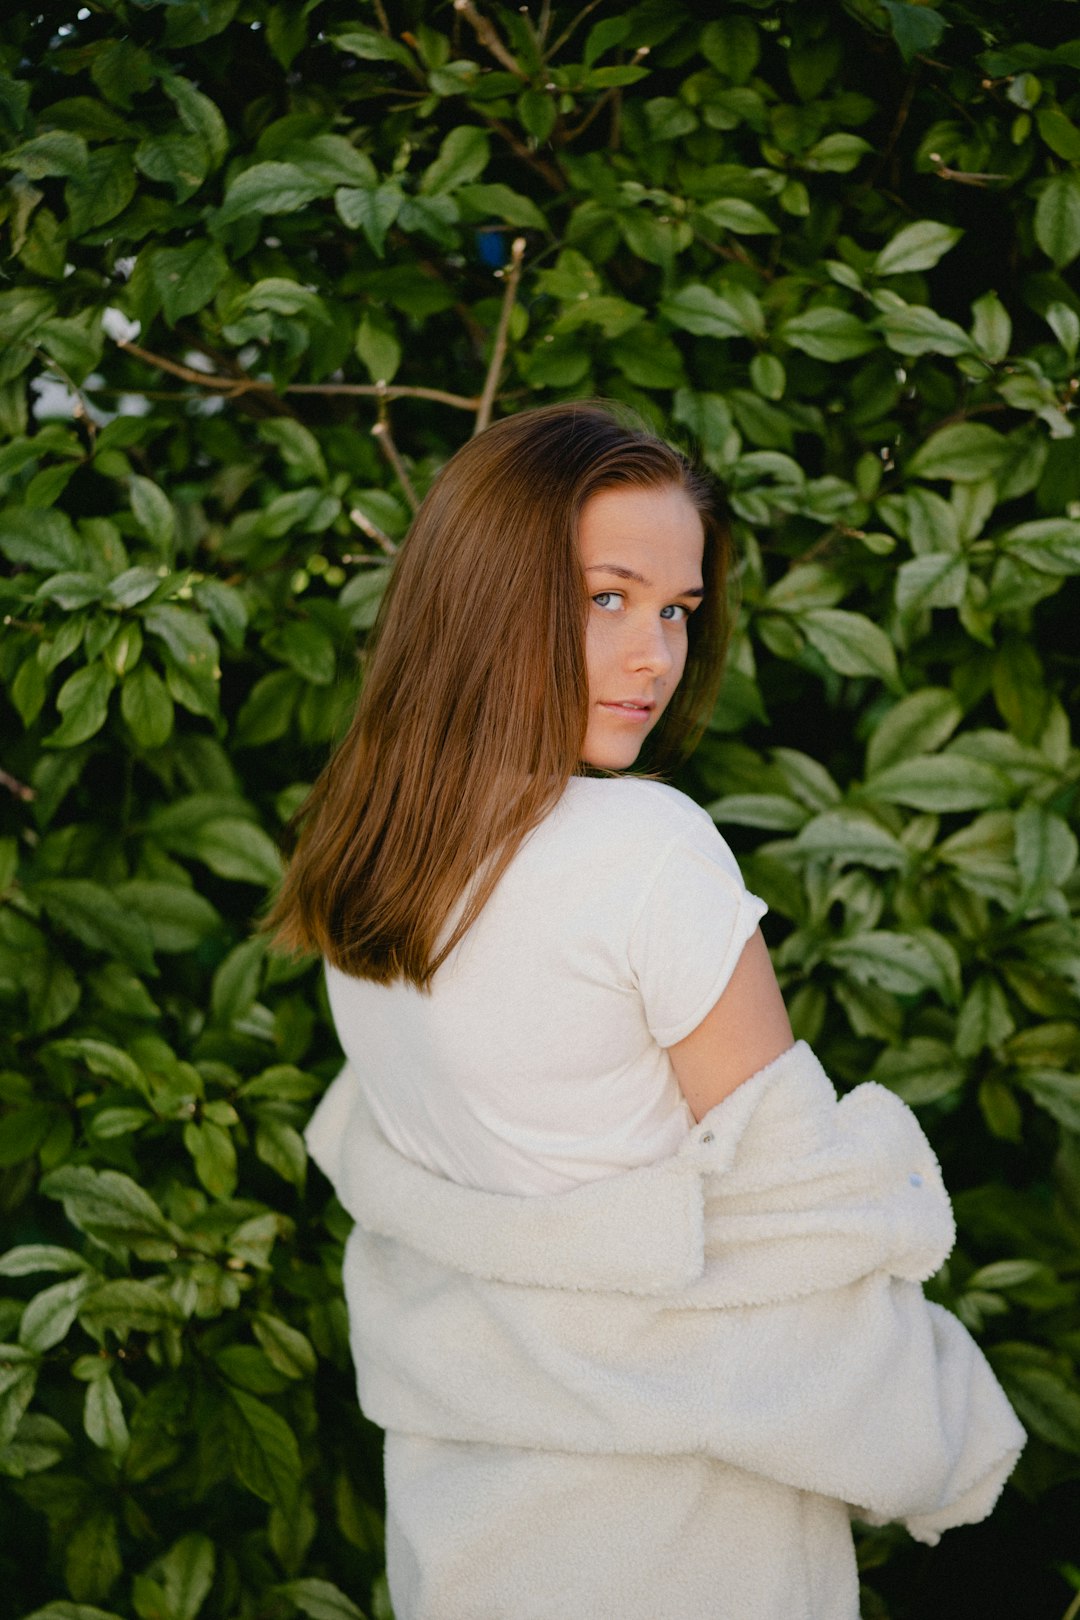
{"points": [[1057, 218], [984, 1020], [287, 1349], [103, 1418], [696, 308], [917, 724], [378, 347], [916, 247], [991, 330], [1046, 1402], [268, 708], [1046, 852], [920, 1071], [109, 1206], [463, 156], [282, 1148], [826, 333], [83, 701], [1052, 545], [850, 835], [333, 160], [915, 28], [147, 707], [175, 919], [214, 1156], [915, 329], [269, 188], [265, 1455], [897, 962], [372, 212], [320, 1600], [835, 154], [49, 1316], [739, 216], [92, 1563], [239, 850], [100, 1057], [937, 580], [199, 115], [500, 202], [965, 451], [97, 916], [770, 810], [58, 152], [372, 46], [39, 538], [127, 1305], [187, 277], [538, 114], [153, 511], [236, 982], [29, 1258], [940, 783], [38, 1443], [850, 643], [18, 1379], [1056, 1092], [186, 1573], [732, 45]]}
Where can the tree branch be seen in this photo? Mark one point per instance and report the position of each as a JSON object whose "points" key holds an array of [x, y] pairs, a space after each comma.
{"points": [[21, 790], [230, 386], [488, 37], [385, 440], [498, 351]]}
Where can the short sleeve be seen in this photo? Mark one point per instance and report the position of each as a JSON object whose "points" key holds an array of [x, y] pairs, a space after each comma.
{"points": [[693, 923]]}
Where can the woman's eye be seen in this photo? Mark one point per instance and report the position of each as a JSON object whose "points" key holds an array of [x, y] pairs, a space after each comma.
{"points": [[603, 598], [678, 607]]}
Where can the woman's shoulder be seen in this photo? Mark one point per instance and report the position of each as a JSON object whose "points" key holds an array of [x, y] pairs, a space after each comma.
{"points": [[650, 814]]}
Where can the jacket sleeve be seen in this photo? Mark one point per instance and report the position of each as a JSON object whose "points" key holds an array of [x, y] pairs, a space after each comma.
{"points": [[756, 1299]]}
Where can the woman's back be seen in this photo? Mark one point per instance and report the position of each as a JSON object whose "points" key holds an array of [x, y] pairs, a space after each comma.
{"points": [[537, 1062]]}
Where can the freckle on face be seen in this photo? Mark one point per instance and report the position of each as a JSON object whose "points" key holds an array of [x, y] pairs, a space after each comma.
{"points": [[632, 653]]}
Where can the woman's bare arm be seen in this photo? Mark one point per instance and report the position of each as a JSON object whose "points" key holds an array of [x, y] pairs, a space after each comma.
{"points": [[746, 1029]]}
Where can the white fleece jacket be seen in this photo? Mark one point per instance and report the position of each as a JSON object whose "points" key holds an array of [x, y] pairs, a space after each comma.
{"points": [[661, 1395]]}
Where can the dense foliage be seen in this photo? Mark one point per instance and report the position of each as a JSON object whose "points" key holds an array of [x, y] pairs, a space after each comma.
{"points": [[265, 265]]}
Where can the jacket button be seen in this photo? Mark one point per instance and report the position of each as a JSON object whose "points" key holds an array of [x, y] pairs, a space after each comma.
{"points": [[707, 1137]]}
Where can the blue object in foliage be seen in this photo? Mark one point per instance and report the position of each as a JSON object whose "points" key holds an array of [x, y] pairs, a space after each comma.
{"points": [[491, 247]]}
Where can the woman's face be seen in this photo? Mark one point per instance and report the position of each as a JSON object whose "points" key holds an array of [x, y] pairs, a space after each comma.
{"points": [[641, 550]]}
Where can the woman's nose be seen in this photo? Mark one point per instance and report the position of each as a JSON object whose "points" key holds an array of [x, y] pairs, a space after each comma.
{"points": [[648, 647]]}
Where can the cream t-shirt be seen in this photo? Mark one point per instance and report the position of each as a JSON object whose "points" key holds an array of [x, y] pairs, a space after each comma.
{"points": [[538, 1061]]}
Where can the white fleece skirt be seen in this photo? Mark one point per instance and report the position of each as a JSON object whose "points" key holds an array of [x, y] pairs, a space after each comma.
{"points": [[478, 1532]]}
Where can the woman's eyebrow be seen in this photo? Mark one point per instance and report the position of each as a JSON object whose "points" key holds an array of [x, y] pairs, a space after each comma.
{"points": [[628, 573]]}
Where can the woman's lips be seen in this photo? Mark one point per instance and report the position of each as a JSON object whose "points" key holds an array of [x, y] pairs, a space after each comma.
{"points": [[633, 712]]}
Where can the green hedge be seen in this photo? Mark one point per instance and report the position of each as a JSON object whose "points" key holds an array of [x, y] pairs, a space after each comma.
{"points": [[266, 265]]}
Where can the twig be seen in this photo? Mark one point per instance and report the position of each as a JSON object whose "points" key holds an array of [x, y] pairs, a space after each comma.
{"points": [[81, 411], [498, 351], [382, 18], [574, 23], [21, 790], [963, 177], [602, 101], [554, 177], [254, 385], [373, 532], [893, 136], [488, 37], [371, 391], [385, 440]]}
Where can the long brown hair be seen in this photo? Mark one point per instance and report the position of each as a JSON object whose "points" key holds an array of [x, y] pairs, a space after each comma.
{"points": [[475, 699]]}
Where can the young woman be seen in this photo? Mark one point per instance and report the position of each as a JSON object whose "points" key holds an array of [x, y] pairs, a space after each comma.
{"points": [[636, 1300]]}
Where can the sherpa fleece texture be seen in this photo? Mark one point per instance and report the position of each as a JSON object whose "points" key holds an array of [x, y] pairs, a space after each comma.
{"points": [[662, 1395]]}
